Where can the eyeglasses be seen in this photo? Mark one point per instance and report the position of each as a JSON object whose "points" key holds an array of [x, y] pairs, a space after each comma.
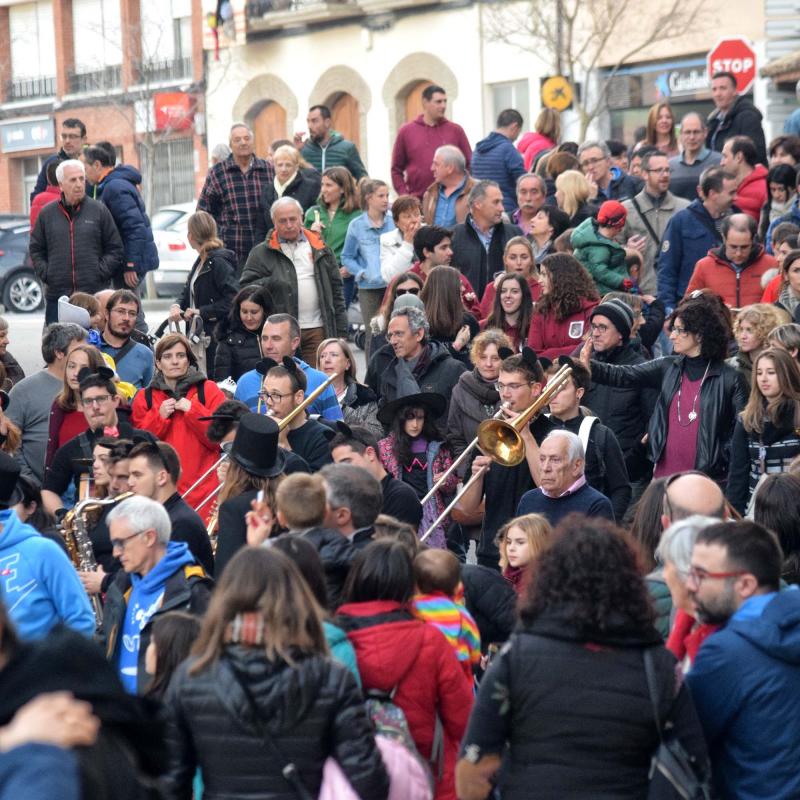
{"points": [[119, 544], [96, 401], [413, 413], [590, 162], [698, 575], [68, 136], [677, 329], [401, 292], [276, 397], [600, 328], [661, 171], [512, 386], [124, 312]]}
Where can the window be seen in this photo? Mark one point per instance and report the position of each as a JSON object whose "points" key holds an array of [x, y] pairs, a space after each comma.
{"points": [[33, 51], [513, 94], [97, 35], [166, 40], [172, 166], [30, 172]]}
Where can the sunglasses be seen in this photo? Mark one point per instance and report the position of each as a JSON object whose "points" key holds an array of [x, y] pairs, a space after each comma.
{"points": [[401, 292]]}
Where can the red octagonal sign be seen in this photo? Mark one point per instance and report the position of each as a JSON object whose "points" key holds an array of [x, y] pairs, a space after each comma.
{"points": [[736, 56]]}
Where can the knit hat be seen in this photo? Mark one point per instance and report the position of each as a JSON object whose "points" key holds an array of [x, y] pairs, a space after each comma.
{"points": [[620, 314], [612, 214]]}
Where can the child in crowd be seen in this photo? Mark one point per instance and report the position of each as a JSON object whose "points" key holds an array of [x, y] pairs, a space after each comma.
{"points": [[173, 635], [596, 249], [439, 600], [520, 541]]}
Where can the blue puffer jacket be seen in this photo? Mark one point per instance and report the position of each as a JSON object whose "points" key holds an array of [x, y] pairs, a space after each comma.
{"points": [[496, 159], [119, 192], [690, 234], [621, 186]]}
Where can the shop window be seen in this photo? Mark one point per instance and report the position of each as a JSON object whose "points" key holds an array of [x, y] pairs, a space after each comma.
{"points": [[512, 94]]}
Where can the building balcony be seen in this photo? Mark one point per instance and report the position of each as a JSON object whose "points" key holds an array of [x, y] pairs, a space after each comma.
{"points": [[264, 15], [95, 81], [30, 88], [172, 69]]}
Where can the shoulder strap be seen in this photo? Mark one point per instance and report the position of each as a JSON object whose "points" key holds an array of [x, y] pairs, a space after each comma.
{"points": [[123, 351], [193, 571], [85, 445], [646, 222], [201, 392], [584, 431], [148, 397], [652, 688]]}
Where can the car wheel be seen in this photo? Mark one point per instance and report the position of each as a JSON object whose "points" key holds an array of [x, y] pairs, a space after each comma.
{"points": [[23, 293]]}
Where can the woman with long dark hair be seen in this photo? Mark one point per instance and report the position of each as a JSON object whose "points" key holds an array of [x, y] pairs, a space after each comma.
{"points": [[261, 692], [699, 394], [561, 317], [782, 183], [517, 257], [767, 434], [513, 309], [585, 637], [239, 334], [404, 283]]}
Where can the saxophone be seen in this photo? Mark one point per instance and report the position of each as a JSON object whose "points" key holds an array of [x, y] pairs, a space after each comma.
{"points": [[75, 530]]}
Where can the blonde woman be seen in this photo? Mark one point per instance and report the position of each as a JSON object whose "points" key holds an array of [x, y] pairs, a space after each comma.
{"points": [[211, 285], [751, 329], [542, 139], [573, 193], [521, 540]]}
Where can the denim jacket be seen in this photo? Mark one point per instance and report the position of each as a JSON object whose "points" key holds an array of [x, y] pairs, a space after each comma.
{"points": [[362, 251]]}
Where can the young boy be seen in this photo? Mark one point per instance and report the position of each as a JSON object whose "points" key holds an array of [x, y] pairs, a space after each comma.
{"points": [[439, 601], [596, 249]]}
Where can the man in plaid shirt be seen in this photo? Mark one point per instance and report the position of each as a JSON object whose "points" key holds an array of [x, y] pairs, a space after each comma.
{"points": [[232, 192]]}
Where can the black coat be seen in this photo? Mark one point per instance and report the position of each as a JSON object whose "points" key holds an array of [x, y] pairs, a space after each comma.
{"points": [[304, 188], [723, 396], [311, 711], [470, 256], [337, 554], [214, 289], [742, 119], [491, 600], [187, 526], [580, 721], [238, 350], [75, 249]]}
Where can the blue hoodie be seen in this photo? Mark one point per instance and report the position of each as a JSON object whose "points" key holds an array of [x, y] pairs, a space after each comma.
{"points": [[744, 682], [145, 599], [496, 159], [38, 584]]}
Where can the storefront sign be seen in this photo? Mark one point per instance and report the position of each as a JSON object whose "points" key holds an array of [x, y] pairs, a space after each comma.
{"points": [[28, 134], [174, 111], [687, 82]]}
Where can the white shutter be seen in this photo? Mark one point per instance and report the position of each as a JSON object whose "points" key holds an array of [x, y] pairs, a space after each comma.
{"points": [[47, 38], [112, 33], [87, 35], [24, 41], [158, 39]]}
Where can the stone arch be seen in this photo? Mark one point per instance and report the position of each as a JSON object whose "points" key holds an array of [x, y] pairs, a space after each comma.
{"points": [[407, 73], [341, 79], [258, 92]]}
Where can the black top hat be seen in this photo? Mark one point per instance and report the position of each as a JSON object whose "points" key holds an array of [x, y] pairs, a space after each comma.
{"points": [[255, 446], [435, 403], [10, 494]]}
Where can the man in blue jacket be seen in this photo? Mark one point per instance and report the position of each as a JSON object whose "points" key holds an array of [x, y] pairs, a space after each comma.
{"points": [[39, 586], [117, 188], [691, 233], [746, 675], [496, 159]]}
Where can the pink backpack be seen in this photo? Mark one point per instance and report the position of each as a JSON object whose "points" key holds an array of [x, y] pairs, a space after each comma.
{"points": [[408, 778]]}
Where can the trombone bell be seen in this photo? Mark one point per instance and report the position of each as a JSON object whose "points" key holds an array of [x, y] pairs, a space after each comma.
{"points": [[500, 440]]}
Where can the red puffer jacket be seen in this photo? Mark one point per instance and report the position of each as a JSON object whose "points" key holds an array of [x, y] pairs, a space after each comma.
{"points": [[395, 650], [551, 338], [187, 434]]}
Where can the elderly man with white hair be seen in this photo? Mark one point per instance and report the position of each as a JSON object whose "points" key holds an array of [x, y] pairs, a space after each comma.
{"points": [[445, 200], [562, 484], [157, 576], [302, 276], [75, 245]]}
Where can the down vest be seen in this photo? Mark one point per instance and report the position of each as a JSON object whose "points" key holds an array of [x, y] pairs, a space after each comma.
{"points": [[312, 710], [238, 350], [75, 248]]}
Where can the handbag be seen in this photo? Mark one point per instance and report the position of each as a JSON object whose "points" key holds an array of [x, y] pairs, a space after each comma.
{"points": [[673, 772]]}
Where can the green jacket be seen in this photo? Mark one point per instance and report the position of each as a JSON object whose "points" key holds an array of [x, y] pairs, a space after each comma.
{"points": [[337, 153], [603, 258], [334, 230], [662, 600], [268, 267]]}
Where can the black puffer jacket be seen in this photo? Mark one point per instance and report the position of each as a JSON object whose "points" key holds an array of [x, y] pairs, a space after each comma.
{"points": [[742, 119], [75, 248], [492, 601], [312, 710], [238, 350], [581, 722], [723, 396], [214, 289]]}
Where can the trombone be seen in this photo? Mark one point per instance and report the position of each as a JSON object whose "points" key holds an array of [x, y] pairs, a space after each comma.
{"points": [[502, 442]]}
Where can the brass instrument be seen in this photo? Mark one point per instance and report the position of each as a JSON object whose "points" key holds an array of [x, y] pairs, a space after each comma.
{"points": [[212, 529], [289, 418], [501, 439], [211, 469], [75, 530]]}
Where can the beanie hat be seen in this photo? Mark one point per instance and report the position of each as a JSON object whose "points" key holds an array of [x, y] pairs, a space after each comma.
{"points": [[612, 213], [620, 314]]}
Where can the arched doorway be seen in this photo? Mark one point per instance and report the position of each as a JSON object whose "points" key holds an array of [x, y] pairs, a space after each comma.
{"points": [[345, 113], [269, 124], [413, 105]]}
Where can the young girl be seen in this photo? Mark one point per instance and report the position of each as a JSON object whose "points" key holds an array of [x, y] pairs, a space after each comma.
{"points": [[767, 433], [173, 635], [513, 309], [414, 453], [520, 541]]}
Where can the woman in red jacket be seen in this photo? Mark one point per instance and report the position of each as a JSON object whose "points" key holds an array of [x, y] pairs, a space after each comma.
{"points": [[561, 317], [405, 657], [171, 409]]}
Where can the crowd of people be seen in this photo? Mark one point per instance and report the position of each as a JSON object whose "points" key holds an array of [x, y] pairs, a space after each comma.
{"points": [[544, 546]]}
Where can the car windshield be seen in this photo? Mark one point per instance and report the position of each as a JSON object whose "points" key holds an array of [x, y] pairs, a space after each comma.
{"points": [[164, 218]]}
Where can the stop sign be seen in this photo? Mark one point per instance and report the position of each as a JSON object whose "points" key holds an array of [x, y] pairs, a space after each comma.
{"points": [[736, 56]]}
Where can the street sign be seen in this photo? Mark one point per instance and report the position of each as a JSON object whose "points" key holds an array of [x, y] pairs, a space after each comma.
{"points": [[556, 93], [736, 56]]}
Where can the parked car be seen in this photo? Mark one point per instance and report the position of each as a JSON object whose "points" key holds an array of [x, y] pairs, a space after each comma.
{"points": [[20, 289], [175, 255]]}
